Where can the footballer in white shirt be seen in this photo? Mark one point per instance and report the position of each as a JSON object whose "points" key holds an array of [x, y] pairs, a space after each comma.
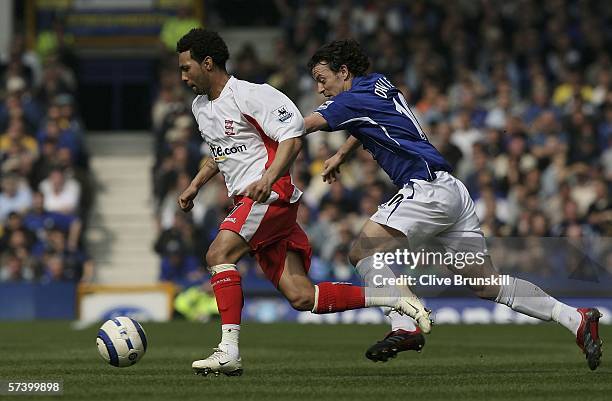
{"points": [[254, 134]]}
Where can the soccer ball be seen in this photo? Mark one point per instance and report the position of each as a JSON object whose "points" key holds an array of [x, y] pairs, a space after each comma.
{"points": [[121, 341]]}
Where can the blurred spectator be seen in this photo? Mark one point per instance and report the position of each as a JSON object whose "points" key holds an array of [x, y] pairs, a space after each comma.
{"points": [[604, 129], [464, 137], [197, 303], [64, 137], [181, 231], [441, 140], [39, 220], [248, 65], [178, 266], [343, 198], [75, 264], [16, 137], [57, 79], [13, 268], [175, 27], [21, 61], [599, 214], [15, 223], [53, 268], [16, 196], [169, 100], [61, 193], [570, 87], [19, 102], [56, 42]]}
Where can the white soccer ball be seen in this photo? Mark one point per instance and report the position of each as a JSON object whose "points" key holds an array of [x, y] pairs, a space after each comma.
{"points": [[121, 341]]}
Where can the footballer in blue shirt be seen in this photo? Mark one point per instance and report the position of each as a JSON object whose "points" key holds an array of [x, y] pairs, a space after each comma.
{"points": [[431, 204]]}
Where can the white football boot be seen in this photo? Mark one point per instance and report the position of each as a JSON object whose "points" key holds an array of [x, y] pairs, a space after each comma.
{"points": [[413, 307], [219, 362]]}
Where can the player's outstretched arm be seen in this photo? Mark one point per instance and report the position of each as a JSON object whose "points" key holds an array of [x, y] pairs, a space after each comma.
{"points": [[208, 170], [286, 153], [315, 122], [331, 167]]}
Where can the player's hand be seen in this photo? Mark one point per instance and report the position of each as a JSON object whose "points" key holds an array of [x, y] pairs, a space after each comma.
{"points": [[185, 200], [331, 168], [260, 190]]}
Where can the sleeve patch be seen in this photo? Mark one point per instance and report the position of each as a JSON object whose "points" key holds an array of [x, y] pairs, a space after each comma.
{"points": [[324, 105], [283, 114]]}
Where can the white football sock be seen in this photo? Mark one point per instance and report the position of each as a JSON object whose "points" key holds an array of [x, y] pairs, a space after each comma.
{"points": [[567, 316], [385, 296], [230, 334], [376, 295], [399, 321], [529, 299], [366, 270]]}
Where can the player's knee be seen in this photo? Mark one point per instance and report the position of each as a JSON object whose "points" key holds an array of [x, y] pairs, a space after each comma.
{"points": [[485, 292], [478, 290], [355, 256], [216, 256], [302, 300]]}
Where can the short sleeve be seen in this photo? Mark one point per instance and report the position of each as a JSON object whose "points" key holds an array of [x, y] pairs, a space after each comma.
{"points": [[193, 106], [277, 115], [339, 110]]}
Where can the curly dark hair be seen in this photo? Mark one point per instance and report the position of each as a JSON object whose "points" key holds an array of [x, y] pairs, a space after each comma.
{"points": [[341, 52], [202, 43]]}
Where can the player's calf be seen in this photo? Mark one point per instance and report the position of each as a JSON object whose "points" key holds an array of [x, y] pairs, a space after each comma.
{"points": [[302, 299], [485, 269], [295, 285]]}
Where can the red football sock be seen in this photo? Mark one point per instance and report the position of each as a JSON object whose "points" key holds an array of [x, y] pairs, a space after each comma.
{"points": [[338, 297], [228, 292]]}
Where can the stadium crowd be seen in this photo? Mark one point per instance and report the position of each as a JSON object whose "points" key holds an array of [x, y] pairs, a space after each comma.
{"points": [[516, 95], [45, 180]]}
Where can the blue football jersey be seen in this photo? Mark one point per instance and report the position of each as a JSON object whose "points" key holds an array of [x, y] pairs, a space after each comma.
{"points": [[376, 113]]}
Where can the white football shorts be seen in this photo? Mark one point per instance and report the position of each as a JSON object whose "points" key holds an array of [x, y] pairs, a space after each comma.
{"points": [[434, 211]]}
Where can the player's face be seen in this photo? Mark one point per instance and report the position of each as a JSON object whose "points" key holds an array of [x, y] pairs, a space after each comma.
{"points": [[192, 73], [330, 83]]}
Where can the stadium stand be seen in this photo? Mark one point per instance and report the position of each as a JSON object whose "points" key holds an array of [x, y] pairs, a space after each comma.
{"points": [[47, 189]]}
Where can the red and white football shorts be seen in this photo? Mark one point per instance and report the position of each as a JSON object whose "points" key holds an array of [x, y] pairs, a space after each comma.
{"points": [[271, 230]]}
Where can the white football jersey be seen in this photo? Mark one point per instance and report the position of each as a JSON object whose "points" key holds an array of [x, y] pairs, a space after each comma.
{"points": [[243, 127]]}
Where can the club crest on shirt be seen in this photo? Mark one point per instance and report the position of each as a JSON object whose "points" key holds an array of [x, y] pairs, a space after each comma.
{"points": [[229, 128], [283, 115]]}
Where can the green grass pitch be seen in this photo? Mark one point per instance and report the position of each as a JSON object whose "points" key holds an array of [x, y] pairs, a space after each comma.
{"points": [[311, 362]]}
